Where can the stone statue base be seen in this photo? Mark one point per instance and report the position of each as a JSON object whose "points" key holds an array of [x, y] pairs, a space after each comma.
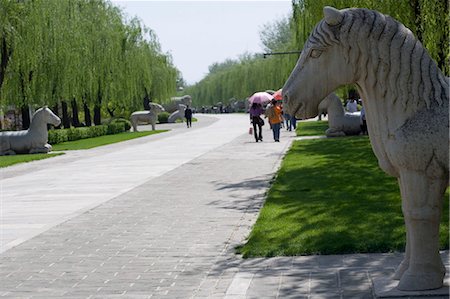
{"points": [[386, 287]]}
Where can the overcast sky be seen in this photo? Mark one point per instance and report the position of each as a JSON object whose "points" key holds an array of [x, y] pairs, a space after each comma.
{"points": [[199, 33]]}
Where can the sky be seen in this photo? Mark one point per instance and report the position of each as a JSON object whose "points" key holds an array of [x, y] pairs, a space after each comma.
{"points": [[200, 33]]}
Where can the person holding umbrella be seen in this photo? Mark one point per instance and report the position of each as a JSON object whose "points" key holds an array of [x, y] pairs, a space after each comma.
{"points": [[255, 118], [256, 102]]}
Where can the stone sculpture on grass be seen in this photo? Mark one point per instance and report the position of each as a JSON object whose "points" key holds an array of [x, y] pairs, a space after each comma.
{"points": [[172, 106], [146, 117], [406, 98], [179, 114], [339, 122], [31, 141]]}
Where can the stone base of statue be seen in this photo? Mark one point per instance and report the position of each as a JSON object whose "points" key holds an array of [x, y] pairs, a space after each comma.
{"points": [[386, 287]]}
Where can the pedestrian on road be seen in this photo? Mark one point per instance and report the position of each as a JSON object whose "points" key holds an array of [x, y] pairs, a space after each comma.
{"points": [[255, 118], [351, 106], [276, 119], [287, 119], [363, 121], [188, 116]]}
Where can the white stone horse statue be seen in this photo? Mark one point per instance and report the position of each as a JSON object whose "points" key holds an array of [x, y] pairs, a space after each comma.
{"points": [[31, 141], [339, 122], [172, 106], [179, 114], [406, 98], [147, 117]]}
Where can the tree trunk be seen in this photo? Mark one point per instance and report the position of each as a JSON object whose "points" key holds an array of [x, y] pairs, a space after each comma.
{"points": [[75, 119], [65, 115], [146, 101], [26, 120], [87, 115], [97, 116], [111, 112], [415, 6], [5, 53], [443, 61], [55, 110], [97, 109]]}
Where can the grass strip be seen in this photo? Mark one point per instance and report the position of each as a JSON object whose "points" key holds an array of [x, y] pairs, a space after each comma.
{"points": [[312, 128], [6, 161], [102, 140], [330, 197]]}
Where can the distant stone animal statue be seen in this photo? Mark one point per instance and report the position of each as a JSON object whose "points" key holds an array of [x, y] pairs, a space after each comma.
{"points": [[406, 98], [239, 105], [179, 114], [172, 106], [31, 141], [147, 116], [339, 122]]}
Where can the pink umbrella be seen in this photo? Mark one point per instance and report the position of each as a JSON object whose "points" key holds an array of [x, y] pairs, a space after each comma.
{"points": [[260, 97], [278, 95]]}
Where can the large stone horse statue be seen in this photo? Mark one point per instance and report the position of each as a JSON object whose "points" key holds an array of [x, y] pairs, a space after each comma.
{"points": [[339, 122], [31, 141], [179, 114], [147, 116], [406, 98]]}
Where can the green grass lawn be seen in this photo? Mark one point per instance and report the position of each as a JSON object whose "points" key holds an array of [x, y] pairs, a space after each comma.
{"points": [[311, 128], [330, 197], [11, 160], [101, 140]]}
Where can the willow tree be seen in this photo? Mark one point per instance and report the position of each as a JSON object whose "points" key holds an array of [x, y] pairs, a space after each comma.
{"points": [[79, 52], [428, 20]]}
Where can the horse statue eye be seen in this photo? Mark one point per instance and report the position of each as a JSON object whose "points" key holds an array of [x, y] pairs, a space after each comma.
{"points": [[315, 53]]}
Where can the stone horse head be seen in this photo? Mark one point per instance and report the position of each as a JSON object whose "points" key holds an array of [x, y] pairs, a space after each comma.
{"points": [[156, 108]]}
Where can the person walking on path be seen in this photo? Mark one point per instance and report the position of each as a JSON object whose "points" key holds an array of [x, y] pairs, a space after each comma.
{"points": [[275, 118], [351, 106], [363, 121], [287, 119], [255, 118], [293, 122], [188, 116]]}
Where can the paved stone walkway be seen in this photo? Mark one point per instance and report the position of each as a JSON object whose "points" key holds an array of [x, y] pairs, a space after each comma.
{"points": [[165, 231]]}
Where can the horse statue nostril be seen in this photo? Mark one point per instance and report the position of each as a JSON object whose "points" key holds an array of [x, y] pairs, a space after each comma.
{"points": [[285, 99]]}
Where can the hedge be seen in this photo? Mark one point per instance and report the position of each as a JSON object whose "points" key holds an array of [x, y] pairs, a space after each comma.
{"points": [[163, 117], [63, 135]]}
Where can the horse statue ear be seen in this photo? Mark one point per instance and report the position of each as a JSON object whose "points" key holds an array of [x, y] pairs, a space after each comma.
{"points": [[332, 15]]}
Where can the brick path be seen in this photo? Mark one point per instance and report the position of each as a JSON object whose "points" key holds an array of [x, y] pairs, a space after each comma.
{"points": [[173, 236]]}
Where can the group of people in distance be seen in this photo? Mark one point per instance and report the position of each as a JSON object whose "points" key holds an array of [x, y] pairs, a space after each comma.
{"points": [[274, 113]]}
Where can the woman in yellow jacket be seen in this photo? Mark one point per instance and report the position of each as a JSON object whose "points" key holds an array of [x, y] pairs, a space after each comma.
{"points": [[275, 119]]}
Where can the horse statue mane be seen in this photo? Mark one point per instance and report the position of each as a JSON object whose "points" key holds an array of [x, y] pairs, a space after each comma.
{"points": [[385, 54], [406, 99], [31, 141], [147, 116], [339, 122]]}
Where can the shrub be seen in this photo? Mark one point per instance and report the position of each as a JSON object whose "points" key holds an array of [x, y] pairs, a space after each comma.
{"points": [[126, 122], [116, 127], [72, 134], [57, 136], [163, 117]]}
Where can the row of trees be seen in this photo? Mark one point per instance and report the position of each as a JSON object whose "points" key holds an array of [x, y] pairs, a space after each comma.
{"points": [[79, 53], [428, 20]]}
